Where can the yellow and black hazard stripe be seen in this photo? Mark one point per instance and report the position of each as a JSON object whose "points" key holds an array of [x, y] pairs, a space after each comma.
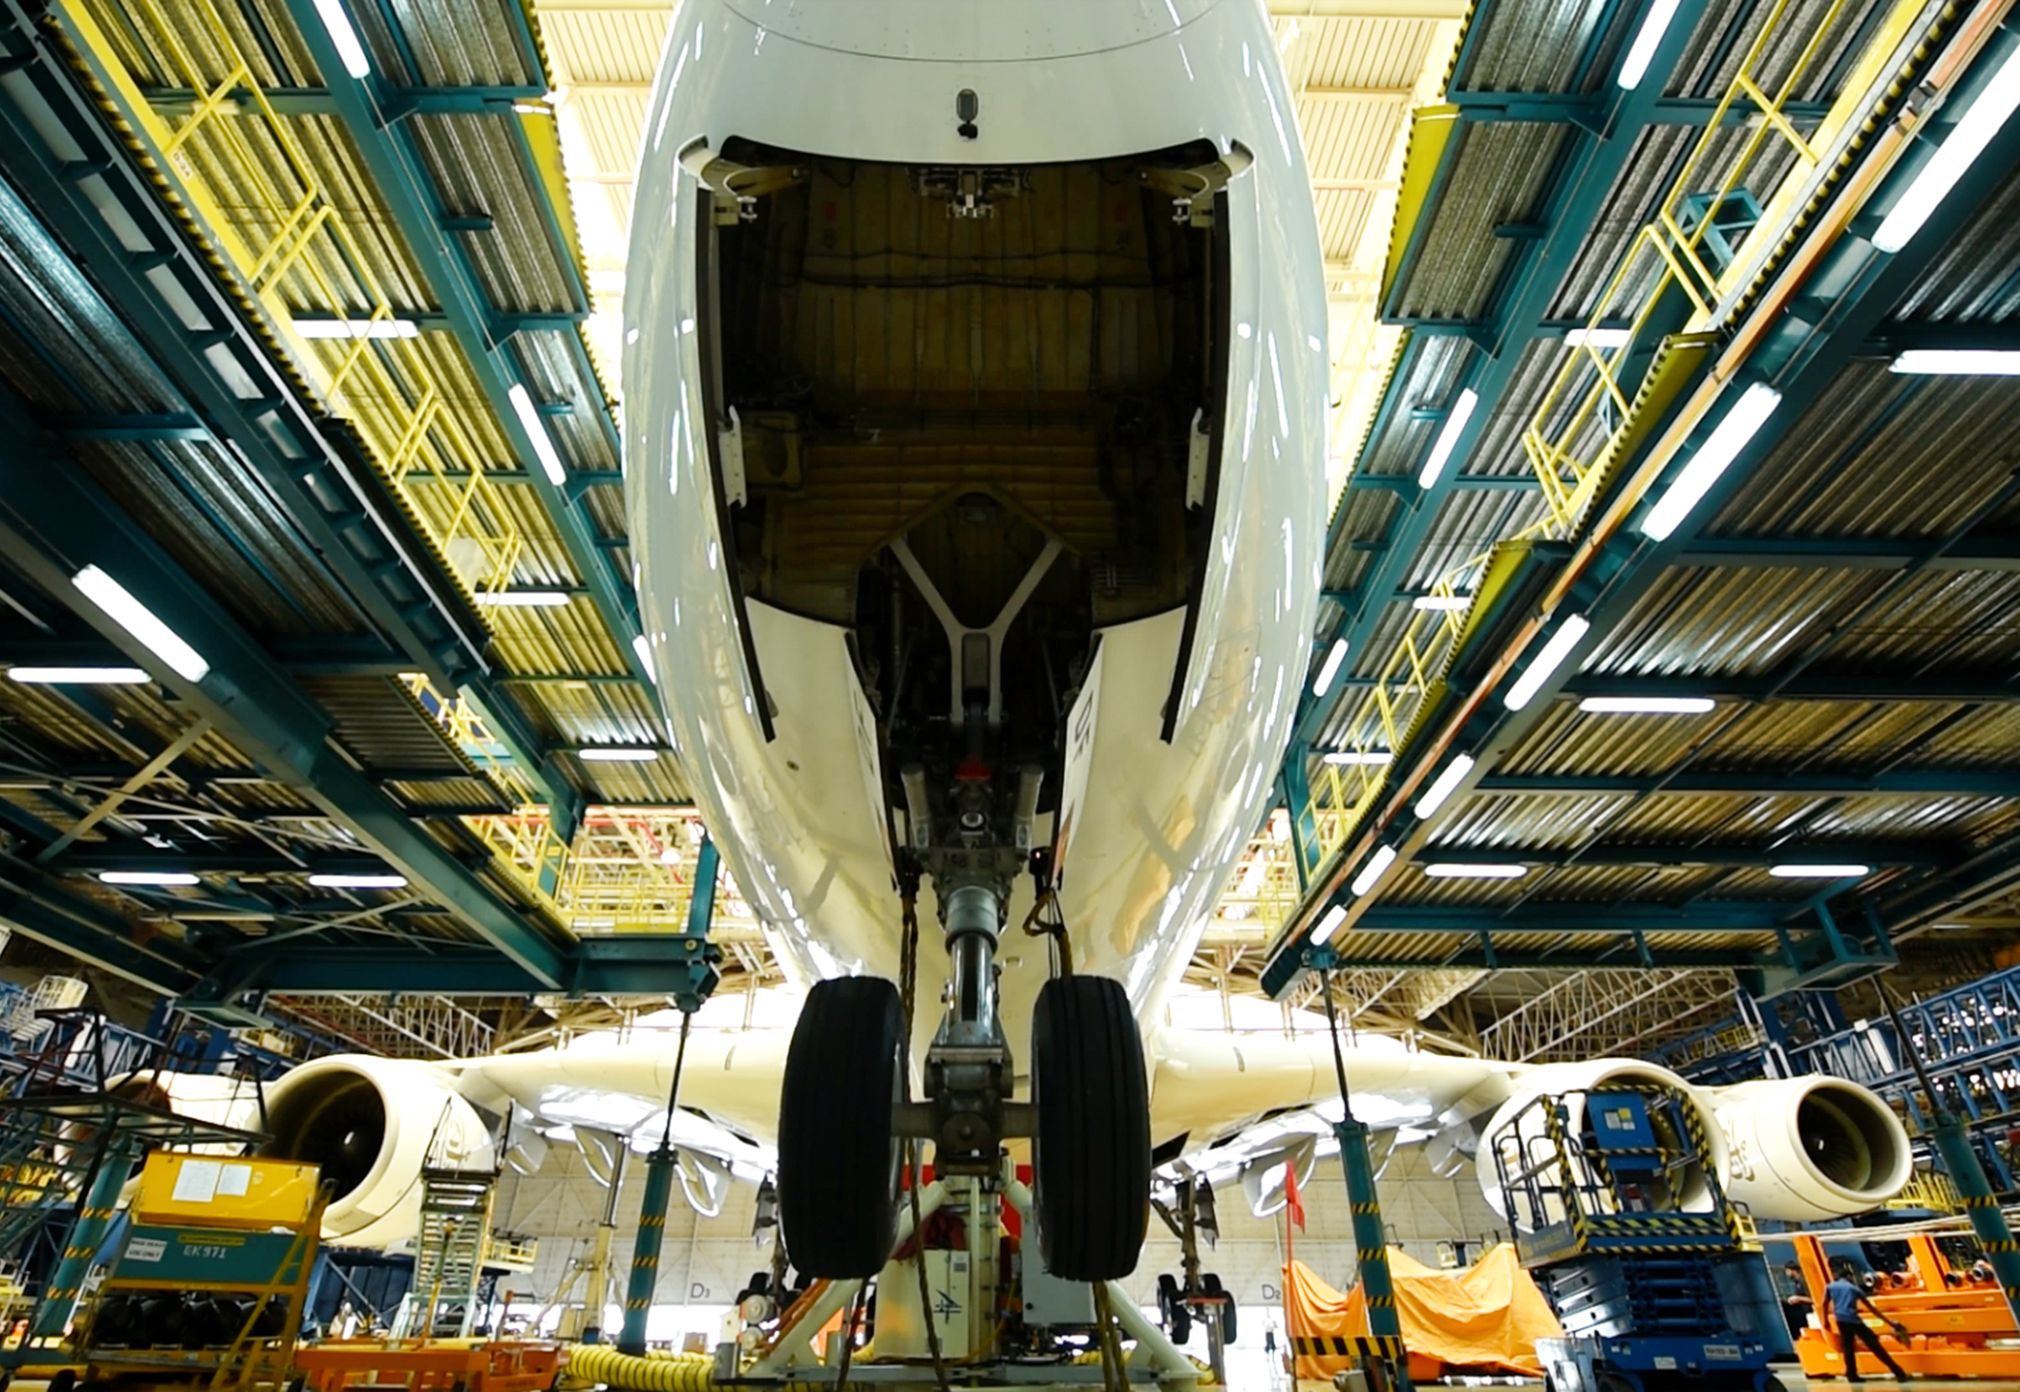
{"points": [[1347, 1346]]}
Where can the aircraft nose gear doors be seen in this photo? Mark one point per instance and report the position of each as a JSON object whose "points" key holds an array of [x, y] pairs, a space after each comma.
{"points": [[841, 1117]]}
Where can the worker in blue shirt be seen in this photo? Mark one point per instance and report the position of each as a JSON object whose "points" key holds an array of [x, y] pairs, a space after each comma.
{"points": [[1842, 1298]]}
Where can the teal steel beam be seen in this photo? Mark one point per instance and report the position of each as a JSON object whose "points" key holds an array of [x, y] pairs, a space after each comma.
{"points": [[399, 101], [1934, 781], [1853, 553], [1863, 685], [401, 178], [32, 904], [54, 522]]}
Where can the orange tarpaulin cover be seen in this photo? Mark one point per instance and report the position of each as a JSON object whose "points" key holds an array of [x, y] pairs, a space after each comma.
{"points": [[1486, 1318]]}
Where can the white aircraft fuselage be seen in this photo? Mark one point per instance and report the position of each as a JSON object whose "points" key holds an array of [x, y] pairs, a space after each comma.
{"points": [[878, 359]]}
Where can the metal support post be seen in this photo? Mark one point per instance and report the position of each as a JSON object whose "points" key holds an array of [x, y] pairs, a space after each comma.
{"points": [[1371, 1239], [659, 1170], [1953, 1146], [97, 1202], [596, 1292]]}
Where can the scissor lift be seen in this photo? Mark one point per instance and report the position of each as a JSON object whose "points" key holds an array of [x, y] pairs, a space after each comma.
{"points": [[1652, 1294]]}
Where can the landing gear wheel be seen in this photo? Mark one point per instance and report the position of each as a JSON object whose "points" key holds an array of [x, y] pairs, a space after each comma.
{"points": [[1211, 1288], [1091, 1156], [1176, 1315], [838, 1157]]}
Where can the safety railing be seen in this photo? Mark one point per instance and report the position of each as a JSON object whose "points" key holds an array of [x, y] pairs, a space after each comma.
{"points": [[240, 171], [1708, 241]]}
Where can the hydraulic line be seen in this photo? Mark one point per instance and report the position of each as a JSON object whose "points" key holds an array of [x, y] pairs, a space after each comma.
{"points": [[659, 1175], [1371, 1242]]}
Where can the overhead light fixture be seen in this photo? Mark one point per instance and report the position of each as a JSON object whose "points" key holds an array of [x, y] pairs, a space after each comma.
{"points": [[1365, 758], [1598, 338], [1448, 437], [521, 599], [536, 432], [350, 50], [1647, 38], [1443, 786], [154, 879], [1371, 873], [1567, 637], [358, 881], [1958, 362], [1741, 424], [1330, 668], [614, 754], [1463, 870], [1329, 925], [356, 328], [1960, 149], [1647, 705], [142, 622], [1820, 872], [1441, 604], [78, 676], [642, 650]]}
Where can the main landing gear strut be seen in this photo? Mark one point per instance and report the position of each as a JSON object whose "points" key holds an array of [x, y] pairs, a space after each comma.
{"points": [[845, 1113]]}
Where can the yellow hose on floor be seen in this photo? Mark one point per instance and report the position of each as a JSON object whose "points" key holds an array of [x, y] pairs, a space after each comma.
{"points": [[656, 1371]]}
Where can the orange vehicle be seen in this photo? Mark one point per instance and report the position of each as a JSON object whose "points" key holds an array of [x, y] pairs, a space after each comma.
{"points": [[1950, 1317]]}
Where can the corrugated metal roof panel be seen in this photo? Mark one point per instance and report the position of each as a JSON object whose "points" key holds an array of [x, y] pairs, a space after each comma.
{"points": [[1840, 471], [1500, 174], [1533, 47]]}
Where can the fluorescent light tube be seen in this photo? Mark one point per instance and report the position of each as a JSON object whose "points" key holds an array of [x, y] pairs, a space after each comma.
{"points": [[1462, 870], [358, 881], [350, 50], [1444, 784], [356, 328], [78, 676], [1329, 925], [643, 651], [1820, 872], [1647, 38], [1740, 425], [139, 620], [521, 599], [1381, 860], [1959, 150], [1448, 437], [1331, 667], [1958, 362], [152, 878], [1441, 604], [1597, 338], [1549, 660], [609, 754], [1647, 705], [1366, 758], [536, 431]]}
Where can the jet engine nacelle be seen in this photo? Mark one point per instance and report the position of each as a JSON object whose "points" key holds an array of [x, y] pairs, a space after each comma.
{"points": [[373, 1125], [1517, 1129], [1804, 1149]]}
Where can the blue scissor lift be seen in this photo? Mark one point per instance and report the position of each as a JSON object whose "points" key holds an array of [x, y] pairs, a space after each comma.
{"points": [[1619, 1216]]}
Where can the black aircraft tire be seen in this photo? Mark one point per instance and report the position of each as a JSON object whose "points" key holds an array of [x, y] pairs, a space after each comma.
{"points": [[838, 1156], [1091, 1156]]}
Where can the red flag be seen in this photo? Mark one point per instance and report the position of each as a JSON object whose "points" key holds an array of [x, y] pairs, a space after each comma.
{"points": [[1293, 1205]]}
